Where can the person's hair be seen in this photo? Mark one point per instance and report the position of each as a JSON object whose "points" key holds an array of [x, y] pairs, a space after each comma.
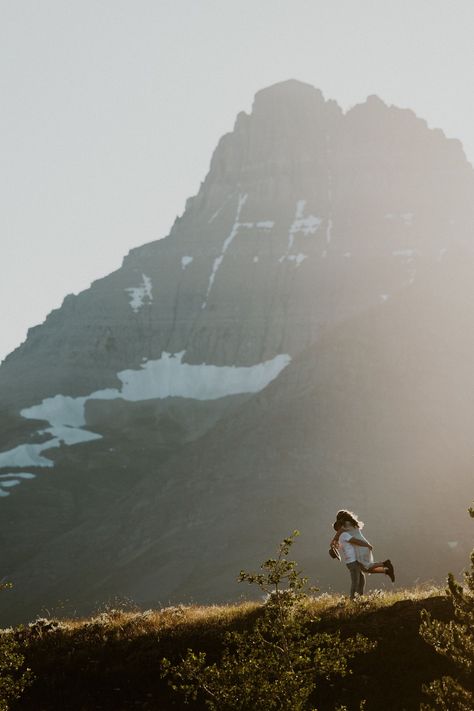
{"points": [[350, 517]]}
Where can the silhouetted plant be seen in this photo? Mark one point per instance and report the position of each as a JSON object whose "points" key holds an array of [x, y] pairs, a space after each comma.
{"points": [[276, 663], [454, 640], [13, 678]]}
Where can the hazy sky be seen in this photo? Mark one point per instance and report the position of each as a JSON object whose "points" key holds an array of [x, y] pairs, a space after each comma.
{"points": [[111, 110]]}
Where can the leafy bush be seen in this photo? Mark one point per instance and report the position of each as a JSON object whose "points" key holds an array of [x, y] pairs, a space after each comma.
{"points": [[455, 640], [275, 664]]}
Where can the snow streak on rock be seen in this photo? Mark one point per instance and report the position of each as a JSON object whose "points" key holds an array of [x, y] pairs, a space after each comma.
{"points": [[225, 246], [265, 225], [306, 225], [330, 193], [329, 231]]}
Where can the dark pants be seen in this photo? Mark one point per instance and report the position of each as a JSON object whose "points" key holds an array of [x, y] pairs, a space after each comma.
{"points": [[357, 579]]}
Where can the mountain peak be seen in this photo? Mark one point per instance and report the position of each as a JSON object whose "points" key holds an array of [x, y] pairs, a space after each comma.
{"points": [[288, 97], [303, 332], [286, 91], [287, 126]]}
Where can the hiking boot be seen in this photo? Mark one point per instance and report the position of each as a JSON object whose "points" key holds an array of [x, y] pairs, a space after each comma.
{"points": [[390, 571]]}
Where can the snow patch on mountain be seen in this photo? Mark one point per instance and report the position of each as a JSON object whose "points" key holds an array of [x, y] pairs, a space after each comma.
{"points": [[185, 261], [64, 412], [22, 475], [138, 294], [170, 377], [7, 481], [60, 409], [28, 455], [71, 435], [165, 377]]}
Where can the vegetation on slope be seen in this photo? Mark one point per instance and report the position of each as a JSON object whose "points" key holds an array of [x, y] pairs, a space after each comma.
{"points": [[112, 661], [278, 663], [292, 643], [14, 678], [454, 640]]}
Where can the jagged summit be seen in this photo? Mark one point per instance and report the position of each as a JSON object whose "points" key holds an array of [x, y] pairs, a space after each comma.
{"points": [[293, 131], [286, 94]]}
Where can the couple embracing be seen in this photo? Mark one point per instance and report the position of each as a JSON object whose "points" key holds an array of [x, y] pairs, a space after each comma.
{"points": [[356, 552]]}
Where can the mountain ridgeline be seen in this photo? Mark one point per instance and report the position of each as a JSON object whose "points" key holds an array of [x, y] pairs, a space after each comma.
{"points": [[301, 341]]}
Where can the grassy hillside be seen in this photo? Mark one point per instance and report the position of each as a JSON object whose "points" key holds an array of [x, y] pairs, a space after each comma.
{"points": [[111, 661]]}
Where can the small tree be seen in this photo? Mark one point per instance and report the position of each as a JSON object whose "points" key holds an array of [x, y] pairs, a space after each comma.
{"points": [[454, 640], [13, 679], [275, 664]]}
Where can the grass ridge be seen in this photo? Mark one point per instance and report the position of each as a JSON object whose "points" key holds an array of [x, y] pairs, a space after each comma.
{"points": [[111, 660]]}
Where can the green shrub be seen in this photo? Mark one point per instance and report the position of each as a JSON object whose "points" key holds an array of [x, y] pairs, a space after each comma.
{"points": [[275, 664], [454, 640]]}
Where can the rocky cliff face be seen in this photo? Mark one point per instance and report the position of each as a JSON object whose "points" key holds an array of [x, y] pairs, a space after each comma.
{"points": [[300, 340]]}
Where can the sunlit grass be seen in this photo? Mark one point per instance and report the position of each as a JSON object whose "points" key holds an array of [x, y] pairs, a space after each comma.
{"points": [[215, 618], [121, 647], [340, 606]]}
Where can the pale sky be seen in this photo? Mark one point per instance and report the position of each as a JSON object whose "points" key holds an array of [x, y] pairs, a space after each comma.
{"points": [[111, 110]]}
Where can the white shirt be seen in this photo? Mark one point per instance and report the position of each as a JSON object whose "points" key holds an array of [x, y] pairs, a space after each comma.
{"points": [[363, 555], [348, 553]]}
